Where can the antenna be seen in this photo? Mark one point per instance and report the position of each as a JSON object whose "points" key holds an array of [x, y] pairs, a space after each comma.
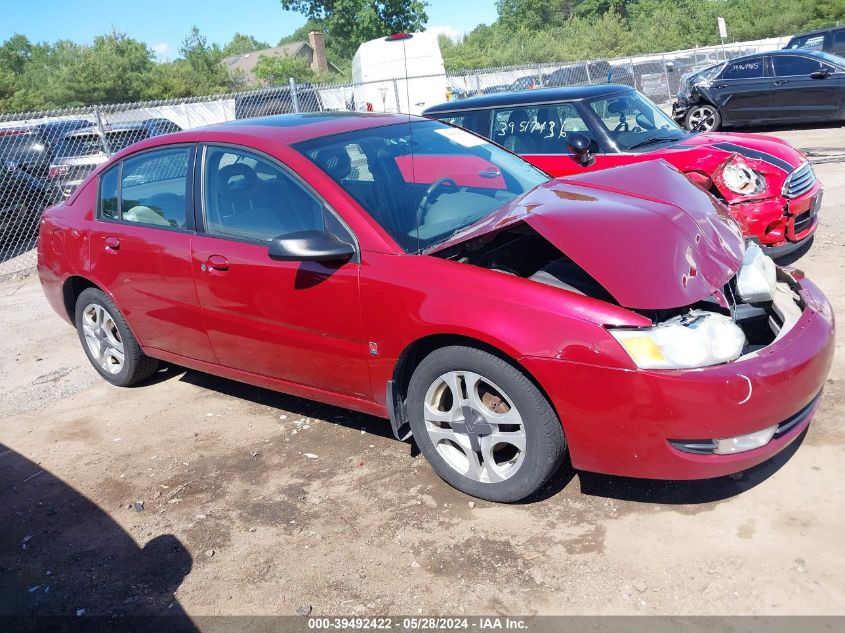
{"points": [[410, 131]]}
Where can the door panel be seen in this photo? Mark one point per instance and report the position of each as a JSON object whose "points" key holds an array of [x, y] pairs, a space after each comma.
{"points": [[151, 278], [141, 251], [297, 321], [741, 92], [798, 97]]}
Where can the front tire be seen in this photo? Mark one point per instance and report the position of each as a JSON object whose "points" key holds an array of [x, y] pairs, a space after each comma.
{"points": [[483, 425], [703, 117], [108, 342]]}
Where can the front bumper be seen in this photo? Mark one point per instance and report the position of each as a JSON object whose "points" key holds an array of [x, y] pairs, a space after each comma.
{"points": [[622, 421], [778, 224], [679, 110]]}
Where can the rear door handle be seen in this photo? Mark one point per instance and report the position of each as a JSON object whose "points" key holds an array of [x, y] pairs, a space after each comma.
{"points": [[780, 82], [112, 244], [217, 262]]}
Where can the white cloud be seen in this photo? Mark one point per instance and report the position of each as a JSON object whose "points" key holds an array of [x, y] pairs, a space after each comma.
{"points": [[448, 31], [161, 51]]}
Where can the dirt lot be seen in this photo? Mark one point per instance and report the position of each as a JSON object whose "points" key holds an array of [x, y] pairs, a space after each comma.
{"points": [[236, 518]]}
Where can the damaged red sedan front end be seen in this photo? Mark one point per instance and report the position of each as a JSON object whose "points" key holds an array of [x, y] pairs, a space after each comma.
{"points": [[655, 416]]}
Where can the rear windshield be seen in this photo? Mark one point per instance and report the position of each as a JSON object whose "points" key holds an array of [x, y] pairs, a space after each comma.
{"points": [[86, 144], [91, 144]]}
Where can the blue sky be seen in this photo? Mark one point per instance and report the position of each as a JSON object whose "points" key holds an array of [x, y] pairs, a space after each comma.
{"points": [[164, 23]]}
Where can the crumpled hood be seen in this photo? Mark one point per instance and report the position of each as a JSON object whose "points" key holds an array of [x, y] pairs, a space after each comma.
{"points": [[776, 153], [644, 232]]}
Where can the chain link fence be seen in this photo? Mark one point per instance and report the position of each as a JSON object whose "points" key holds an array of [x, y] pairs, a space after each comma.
{"points": [[44, 156]]}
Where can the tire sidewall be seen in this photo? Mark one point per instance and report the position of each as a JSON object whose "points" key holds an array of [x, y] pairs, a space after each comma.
{"points": [[93, 295], [529, 401]]}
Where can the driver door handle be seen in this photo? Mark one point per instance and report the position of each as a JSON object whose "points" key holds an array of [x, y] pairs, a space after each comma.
{"points": [[780, 82], [217, 262]]}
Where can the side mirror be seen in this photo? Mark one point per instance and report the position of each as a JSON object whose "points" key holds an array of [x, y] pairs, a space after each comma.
{"points": [[580, 146], [314, 246], [820, 74]]}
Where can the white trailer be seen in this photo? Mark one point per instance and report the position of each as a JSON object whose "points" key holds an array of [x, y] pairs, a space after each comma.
{"points": [[380, 67]]}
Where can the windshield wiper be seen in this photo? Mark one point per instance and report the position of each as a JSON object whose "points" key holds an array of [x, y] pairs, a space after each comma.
{"points": [[654, 139]]}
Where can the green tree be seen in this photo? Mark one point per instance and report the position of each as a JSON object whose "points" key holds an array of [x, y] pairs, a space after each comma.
{"points": [[276, 69], [207, 74], [348, 23], [241, 44]]}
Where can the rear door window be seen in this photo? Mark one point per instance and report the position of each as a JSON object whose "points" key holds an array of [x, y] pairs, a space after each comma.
{"points": [[792, 65], [152, 188]]}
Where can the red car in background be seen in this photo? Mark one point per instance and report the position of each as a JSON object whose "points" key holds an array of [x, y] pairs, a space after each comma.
{"points": [[411, 270], [768, 185]]}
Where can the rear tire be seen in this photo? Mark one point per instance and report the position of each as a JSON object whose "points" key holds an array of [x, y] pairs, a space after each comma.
{"points": [[499, 439], [703, 117], [108, 342]]}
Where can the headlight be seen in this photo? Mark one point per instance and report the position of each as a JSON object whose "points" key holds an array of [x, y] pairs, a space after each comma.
{"points": [[756, 280], [740, 178], [696, 339]]}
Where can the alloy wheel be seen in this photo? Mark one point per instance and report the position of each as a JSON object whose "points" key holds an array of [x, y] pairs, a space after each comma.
{"points": [[103, 338], [475, 426], [702, 118]]}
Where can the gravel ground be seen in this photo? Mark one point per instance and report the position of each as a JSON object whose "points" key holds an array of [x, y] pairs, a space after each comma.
{"points": [[201, 496]]}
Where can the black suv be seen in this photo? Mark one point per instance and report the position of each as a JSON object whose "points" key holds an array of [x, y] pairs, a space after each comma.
{"points": [[25, 189], [82, 147], [277, 100], [830, 40]]}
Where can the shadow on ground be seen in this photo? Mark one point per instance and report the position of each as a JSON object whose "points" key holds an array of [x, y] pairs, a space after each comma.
{"points": [[622, 488], [64, 563]]}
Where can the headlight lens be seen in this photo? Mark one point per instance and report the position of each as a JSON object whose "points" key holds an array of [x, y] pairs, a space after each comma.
{"points": [[756, 280], [740, 178], [696, 339]]}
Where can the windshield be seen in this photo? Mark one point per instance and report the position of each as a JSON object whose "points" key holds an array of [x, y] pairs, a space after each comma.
{"points": [[632, 121], [708, 73], [423, 181]]}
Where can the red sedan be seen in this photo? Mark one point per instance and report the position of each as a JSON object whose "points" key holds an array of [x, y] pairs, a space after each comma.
{"points": [[768, 185], [412, 270]]}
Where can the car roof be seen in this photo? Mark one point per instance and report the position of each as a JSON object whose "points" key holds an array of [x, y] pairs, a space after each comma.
{"points": [[290, 128], [541, 95], [280, 129]]}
